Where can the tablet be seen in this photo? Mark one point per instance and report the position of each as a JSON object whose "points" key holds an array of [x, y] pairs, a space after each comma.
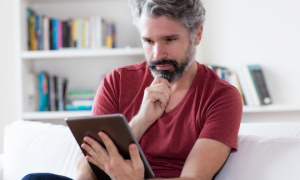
{"points": [[116, 127]]}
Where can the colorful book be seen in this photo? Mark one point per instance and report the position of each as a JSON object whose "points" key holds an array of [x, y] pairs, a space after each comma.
{"points": [[55, 33], [43, 92], [79, 34]]}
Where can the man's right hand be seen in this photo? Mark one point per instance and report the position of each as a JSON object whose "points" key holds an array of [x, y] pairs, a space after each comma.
{"points": [[155, 100]]}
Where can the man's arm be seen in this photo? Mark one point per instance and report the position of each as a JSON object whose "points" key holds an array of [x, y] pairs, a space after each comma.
{"points": [[205, 160]]}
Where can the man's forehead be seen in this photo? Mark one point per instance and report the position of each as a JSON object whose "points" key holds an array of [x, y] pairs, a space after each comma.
{"points": [[162, 26]]}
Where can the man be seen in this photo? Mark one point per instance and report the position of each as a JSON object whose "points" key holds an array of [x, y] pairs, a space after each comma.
{"points": [[185, 118]]}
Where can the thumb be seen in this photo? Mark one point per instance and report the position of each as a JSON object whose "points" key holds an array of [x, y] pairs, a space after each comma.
{"points": [[137, 162]]}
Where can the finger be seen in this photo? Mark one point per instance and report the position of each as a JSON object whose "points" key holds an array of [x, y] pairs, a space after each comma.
{"points": [[158, 80], [95, 162], [159, 97], [110, 146], [92, 156], [159, 88], [98, 149], [135, 157]]}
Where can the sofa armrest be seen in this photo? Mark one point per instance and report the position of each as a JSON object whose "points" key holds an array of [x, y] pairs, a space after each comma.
{"points": [[1, 166]]}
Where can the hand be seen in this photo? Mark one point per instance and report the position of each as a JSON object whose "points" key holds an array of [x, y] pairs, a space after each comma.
{"points": [[155, 100], [110, 160]]}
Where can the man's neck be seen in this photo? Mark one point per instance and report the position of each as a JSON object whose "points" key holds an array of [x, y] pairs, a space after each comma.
{"points": [[185, 81]]}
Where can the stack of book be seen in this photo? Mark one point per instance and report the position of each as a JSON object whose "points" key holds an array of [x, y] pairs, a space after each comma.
{"points": [[249, 81], [47, 93], [46, 33], [80, 100]]}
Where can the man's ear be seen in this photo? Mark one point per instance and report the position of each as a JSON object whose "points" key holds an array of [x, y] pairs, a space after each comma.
{"points": [[199, 36]]}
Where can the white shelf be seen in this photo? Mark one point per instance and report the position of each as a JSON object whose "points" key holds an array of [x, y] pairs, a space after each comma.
{"points": [[75, 53], [54, 115], [63, 114], [271, 108]]}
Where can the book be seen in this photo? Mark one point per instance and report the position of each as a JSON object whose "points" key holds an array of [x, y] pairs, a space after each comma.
{"points": [[43, 92], [234, 80], [32, 86], [79, 33], [251, 86], [51, 34], [55, 33], [46, 33], [28, 14], [260, 84], [60, 35]]}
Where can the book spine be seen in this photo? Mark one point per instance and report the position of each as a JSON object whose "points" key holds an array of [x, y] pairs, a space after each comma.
{"points": [[79, 33], [251, 86], [41, 33], [245, 88], [60, 34], [74, 33], [261, 86], [65, 34], [55, 34], [43, 92], [60, 82], [83, 33], [32, 31], [109, 38], [51, 34], [36, 37], [28, 14], [46, 33], [87, 33]]}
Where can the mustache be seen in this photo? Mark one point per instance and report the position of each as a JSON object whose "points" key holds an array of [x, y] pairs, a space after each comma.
{"points": [[152, 64]]}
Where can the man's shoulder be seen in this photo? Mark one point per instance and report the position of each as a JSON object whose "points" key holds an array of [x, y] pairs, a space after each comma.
{"points": [[134, 67], [212, 81]]}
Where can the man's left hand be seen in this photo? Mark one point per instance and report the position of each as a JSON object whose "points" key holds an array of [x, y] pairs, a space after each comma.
{"points": [[110, 160]]}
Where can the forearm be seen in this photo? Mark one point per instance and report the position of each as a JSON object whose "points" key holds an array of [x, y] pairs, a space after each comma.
{"points": [[138, 127]]}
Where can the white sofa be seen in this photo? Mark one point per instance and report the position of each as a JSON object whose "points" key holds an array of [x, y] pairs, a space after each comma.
{"points": [[267, 151]]}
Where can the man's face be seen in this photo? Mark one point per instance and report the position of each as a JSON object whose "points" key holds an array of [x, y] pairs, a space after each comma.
{"points": [[167, 46]]}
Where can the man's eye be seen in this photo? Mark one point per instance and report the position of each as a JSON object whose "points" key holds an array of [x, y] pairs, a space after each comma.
{"points": [[171, 39]]}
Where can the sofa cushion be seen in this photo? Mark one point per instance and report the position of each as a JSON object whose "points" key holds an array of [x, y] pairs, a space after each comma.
{"points": [[270, 130], [31, 147], [262, 158]]}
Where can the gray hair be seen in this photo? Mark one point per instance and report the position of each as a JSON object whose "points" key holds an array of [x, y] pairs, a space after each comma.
{"points": [[190, 12]]}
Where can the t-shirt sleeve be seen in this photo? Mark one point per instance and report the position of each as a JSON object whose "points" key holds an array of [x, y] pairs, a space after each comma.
{"points": [[106, 100], [223, 117]]}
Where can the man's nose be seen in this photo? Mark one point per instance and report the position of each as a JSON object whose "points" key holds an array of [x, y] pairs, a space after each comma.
{"points": [[159, 52]]}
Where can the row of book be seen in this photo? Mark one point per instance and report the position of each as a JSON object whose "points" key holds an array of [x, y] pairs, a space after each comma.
{"points": [[250, 82], [51, 93], [46, 33]]}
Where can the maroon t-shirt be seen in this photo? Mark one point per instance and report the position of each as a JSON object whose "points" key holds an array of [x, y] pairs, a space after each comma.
{"points": [[211, 108]]}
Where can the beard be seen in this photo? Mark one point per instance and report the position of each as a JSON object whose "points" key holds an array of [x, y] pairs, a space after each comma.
{"points": [[177, 69]]}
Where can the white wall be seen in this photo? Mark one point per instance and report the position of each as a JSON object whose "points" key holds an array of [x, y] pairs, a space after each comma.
{"points": [[256, 31], [7, 67]]}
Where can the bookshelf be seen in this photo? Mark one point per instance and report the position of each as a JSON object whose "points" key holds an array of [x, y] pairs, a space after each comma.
{"points": [[84, 68]]}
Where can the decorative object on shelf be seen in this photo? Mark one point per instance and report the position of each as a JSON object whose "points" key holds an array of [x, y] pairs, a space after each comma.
{"points": [[46, 33], [80, 100]]}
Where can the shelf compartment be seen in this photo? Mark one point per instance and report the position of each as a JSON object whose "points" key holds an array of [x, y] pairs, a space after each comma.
{"points": [[54, 115], [79, 53]]}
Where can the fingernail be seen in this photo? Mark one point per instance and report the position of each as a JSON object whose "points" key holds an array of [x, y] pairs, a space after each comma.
{"points": [[133, 148]]}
